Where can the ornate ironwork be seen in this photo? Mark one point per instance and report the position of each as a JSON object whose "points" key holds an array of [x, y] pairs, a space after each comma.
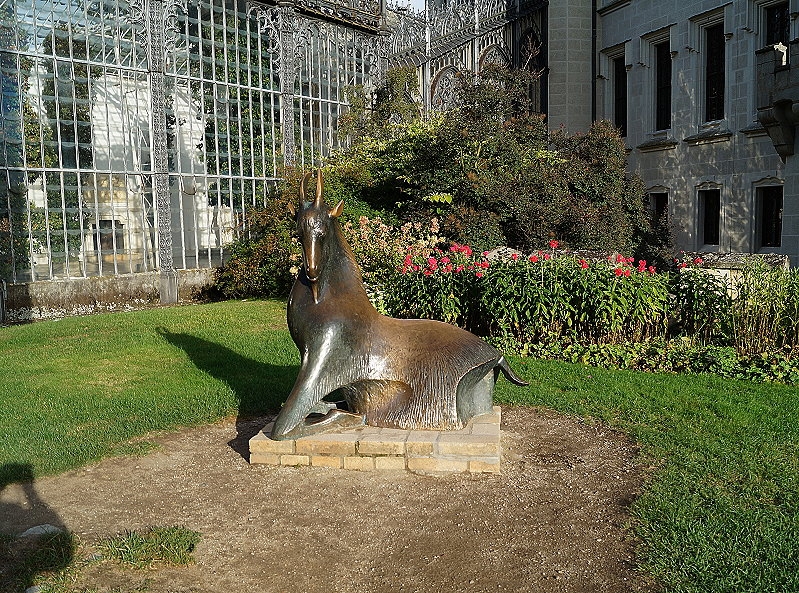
{"points": [[160, 162]]}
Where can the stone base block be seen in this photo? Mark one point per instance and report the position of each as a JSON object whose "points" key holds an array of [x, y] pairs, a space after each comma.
{"points": [[474, 449]]}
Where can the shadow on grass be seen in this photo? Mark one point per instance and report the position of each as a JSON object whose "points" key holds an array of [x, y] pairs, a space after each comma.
{"points": [[22, 559], [260, 387]]}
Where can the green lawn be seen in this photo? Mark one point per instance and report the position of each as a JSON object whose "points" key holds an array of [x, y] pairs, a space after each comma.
{"points": [[721, 512]]}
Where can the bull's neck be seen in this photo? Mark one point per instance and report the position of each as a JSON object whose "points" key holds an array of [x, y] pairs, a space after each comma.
{"points": [[341, 274]]}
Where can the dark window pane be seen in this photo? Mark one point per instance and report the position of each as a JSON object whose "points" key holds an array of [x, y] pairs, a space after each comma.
{"points": [[714, 72], [620, 95], [771, 216], [777, 24], [663, 86], [658, 207], [710, 211]]}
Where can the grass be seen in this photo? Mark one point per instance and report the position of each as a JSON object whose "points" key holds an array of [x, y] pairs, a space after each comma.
{"points": [[56, 562], [139, 549], [79, 389], [721, 512]]}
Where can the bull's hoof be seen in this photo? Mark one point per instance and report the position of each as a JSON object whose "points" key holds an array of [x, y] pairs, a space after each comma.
{"points": [[334, 420]]}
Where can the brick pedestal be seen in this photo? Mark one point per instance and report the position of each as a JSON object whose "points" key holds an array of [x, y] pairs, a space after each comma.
{"points": [[474, 449]]}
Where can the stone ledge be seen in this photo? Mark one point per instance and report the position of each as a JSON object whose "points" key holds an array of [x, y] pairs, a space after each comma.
{"points": [[474, 449]]}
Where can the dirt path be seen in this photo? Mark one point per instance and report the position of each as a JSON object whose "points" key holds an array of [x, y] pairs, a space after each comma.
{"points": [[552, 521]]}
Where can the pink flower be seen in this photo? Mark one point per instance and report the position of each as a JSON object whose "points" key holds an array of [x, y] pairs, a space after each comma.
{"points": [[455, 248], [641, 265], [534, 259], [651, 269], [485, 254], [546, 256], [428, 272], [620, 258], [448, 268], [459, 269], [444, 260], [583, 264], [479, 274], [553, 244], [466, 250]]}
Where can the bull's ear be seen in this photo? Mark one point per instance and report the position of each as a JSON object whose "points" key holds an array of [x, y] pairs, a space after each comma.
{"points": [[336, 212], [292, 209]]}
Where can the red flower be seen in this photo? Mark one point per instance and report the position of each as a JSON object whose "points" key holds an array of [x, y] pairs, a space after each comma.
{"points": [[514, 256], [618, 271], [428, 272], [698, 261], [553, 244], [432, 263], [459, 269], [682, 265], [619, 258], [651, 269], [485, 254], [455, 248], [466, 250], [583, 264], [479, 274], [546, 256], [627, 273], [534, 259], [641, 265]]}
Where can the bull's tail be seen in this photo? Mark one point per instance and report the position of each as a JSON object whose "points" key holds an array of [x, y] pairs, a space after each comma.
{"points": [[503, 365]]}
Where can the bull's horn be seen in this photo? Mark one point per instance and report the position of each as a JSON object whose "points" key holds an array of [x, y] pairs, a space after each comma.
{"points": [[302, 187], [318, 202]]}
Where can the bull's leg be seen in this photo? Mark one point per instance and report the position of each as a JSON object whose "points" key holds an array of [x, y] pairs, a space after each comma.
{"points": [[334, 420], [476, 392], [313, 383]]}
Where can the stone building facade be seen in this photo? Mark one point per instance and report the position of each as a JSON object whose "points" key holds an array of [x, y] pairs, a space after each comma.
{"points": [[681, 80]]}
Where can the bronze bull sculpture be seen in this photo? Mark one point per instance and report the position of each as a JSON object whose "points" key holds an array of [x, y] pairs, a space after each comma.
{"points": [[399, 373]]}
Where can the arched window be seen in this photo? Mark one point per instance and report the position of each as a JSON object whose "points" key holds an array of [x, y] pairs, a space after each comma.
{"points": [[442, 92]]}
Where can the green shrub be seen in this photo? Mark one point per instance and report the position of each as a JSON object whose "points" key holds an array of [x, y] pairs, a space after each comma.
{"points": [[522, 300], [703, 304], [262, 256], [506, 179]]}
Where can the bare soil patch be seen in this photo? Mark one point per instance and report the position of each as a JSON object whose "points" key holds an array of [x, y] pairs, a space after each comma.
{"points": [[555, 519]]}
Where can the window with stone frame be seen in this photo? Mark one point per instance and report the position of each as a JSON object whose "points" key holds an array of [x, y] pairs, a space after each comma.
{"points": [[715, 76], [776, 24], [769, 216], [662, 86], [658, 207], [620, 94], [709, 216]]}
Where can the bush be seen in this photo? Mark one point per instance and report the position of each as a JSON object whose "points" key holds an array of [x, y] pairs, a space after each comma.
{"points": [[531, 299], [262, 256], [493, 174]]}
